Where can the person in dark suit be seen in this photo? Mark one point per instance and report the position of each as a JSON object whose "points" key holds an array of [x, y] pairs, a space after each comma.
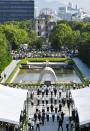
{"points": [[51, 108], [62, 116], [55, 92], [60, 107], [47, 116], [53, 116], [47, 91], [60, 124]]}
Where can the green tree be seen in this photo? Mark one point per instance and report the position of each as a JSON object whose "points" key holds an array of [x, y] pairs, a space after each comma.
{"points": [[39, 42], [59, 34], [5, 57], [84, 47], [15, 36]]}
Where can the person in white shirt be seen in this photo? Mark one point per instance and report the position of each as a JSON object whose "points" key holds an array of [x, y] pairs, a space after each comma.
{"points": [[67, 125], [32, 125], [38, 125]]}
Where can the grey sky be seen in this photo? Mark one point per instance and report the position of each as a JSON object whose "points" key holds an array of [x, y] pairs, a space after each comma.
{"points": [[54, 4]]}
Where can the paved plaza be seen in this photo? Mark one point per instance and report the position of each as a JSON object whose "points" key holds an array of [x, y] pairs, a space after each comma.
{"points": [[48, 126]]}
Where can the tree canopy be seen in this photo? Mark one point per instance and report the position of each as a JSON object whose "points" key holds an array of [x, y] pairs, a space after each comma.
{"points": [[73, 35], [12, 35]]}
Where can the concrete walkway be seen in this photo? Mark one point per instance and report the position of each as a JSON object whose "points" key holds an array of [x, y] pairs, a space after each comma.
{"points": [[49, 126], [82, 67], [9, 69]]}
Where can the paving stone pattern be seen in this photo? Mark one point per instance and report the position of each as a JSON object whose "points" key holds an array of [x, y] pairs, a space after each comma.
{"points": [[48, 126]]}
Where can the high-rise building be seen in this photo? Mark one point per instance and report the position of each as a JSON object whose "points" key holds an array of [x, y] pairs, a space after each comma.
{"points": [[71, 13], [11, 10]]}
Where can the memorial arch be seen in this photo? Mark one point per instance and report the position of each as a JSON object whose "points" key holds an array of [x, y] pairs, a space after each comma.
{"points": [[47, 70]]}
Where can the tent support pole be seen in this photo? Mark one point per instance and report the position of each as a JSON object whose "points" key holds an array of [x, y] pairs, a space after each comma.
{"points": [[14, 128]]}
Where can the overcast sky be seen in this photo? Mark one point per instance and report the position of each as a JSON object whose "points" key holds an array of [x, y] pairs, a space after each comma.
{"points": [[54, 4]]}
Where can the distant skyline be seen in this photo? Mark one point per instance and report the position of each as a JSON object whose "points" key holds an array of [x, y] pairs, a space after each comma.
{"points": [[54, 4]]}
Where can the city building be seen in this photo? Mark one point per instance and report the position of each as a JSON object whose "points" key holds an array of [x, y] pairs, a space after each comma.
{"points": [[11, 10], [71, 13], [45, 22], [86, 19]]}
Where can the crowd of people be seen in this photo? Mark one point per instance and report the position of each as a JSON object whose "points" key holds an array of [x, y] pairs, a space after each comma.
{"points": [[52, 102]]}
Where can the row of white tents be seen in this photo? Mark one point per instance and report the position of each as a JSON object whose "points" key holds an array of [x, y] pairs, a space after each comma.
{"points": [[11, 104], [81, 99]]}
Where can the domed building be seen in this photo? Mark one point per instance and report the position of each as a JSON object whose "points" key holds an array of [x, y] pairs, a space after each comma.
{"points": [[45, 22]]}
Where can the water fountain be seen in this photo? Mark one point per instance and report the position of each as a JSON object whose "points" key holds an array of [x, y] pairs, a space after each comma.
{"points": [[48, 70]]}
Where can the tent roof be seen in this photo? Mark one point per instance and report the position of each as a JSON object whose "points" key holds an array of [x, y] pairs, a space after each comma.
{"points": [[11, 104], [81, 99]]}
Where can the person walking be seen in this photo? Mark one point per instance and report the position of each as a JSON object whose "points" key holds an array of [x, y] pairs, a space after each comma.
{"points": [[46, 100], [62, 116], [59, 93], [38, 125], [67, 125], [55, 91], [43, 117], [68, 104], [43, 92], [53, 116], [32, 125], [51, 99], [35, 116], [47, 116], [51, 92], [38, 101], [39, 116], [38, 92], [72, 125], [60, 107], [60, 124], [56, 108], [29, 124], [58, 115], [55, 100], [51, 108], [43, 99], [5, 75], [47, 91], [63, 101]]}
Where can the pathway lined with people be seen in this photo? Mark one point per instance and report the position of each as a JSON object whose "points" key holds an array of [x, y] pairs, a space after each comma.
{"points": [[8, 70], [82, 67], [41, 103]]}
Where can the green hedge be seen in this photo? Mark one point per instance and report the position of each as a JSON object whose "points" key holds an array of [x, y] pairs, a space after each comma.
{"points": [[24, 61]]}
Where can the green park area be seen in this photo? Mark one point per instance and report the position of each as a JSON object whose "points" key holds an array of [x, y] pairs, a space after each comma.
{"points": [[69, 35]]}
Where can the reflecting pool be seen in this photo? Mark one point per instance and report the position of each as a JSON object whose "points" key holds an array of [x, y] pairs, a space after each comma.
{"points": [[32, 75]]}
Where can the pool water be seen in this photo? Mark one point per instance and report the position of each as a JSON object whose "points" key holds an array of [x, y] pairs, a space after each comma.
{"points": [[32, 75]]}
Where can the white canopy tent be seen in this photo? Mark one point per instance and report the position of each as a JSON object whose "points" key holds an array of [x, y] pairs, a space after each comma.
{"points": [[11, 104], [81, 99]]}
